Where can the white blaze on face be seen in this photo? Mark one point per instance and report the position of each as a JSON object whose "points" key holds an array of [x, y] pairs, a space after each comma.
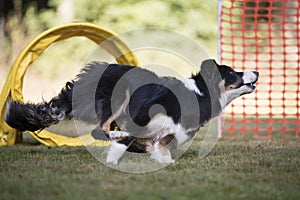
{"points": [[249, 77]]}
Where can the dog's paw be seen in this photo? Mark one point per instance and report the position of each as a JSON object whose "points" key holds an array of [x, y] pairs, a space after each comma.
{"points": [[163, 159], [166, 160], [112, 160], [115, 152]]}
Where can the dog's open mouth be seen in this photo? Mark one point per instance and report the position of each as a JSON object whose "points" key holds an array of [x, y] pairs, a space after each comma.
{"points": [[251, 84]]}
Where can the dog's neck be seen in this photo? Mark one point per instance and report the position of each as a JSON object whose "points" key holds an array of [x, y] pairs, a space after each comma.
{"points": [[209, 102]]}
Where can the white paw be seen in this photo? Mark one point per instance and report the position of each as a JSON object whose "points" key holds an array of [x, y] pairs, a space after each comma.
{"points": [[110, 159], [115, 152], [164, 159], [117, 134]]}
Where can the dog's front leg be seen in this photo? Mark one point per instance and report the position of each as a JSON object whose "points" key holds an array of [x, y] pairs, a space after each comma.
{"points": [[115, 152]]}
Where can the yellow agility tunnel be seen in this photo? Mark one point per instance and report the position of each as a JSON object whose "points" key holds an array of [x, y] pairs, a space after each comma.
{"points": [[12, 88]]}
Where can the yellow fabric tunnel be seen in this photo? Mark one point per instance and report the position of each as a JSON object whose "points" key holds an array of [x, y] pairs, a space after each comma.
{"points": [[14, 83]]}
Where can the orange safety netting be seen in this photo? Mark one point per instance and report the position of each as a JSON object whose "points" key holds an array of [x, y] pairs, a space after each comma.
{"points": [[263, 35]]}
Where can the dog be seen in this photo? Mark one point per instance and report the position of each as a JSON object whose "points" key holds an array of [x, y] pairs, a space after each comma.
{"points": [[155, 115]]}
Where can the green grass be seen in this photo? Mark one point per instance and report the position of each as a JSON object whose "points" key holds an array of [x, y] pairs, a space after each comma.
{"points": [[235, 169]]}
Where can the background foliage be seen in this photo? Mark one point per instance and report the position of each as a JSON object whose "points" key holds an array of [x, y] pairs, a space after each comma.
{"points": [[22, 20]]}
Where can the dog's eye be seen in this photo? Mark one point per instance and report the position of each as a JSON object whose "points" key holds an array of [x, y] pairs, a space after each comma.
{"points": [[232, 73]]}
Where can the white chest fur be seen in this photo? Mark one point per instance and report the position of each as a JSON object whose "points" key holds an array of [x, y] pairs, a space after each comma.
{"points": [[190, 84]]}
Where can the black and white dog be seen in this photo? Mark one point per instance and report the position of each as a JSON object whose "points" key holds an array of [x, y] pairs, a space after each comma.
{"points": [[155, 114]]}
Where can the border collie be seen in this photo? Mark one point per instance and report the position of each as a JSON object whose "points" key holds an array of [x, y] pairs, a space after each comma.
{"points": [[155, 114]]}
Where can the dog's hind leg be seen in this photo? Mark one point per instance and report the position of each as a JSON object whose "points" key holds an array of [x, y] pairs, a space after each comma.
{"points": [[118, 148], [160, 150], [136, 145]]}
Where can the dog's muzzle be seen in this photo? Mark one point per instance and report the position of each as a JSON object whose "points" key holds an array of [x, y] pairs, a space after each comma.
{"points": [[250, 78]]}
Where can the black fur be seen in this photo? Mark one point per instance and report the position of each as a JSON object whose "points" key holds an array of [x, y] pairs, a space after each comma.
{"points": [[33, 117], [28, 116]]}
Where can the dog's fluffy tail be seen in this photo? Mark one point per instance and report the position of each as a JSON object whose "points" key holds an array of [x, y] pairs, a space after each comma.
{"points": [[34, 117]]}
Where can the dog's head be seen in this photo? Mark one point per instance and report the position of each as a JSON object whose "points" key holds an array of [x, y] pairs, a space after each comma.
{"points": [[231, 84]]}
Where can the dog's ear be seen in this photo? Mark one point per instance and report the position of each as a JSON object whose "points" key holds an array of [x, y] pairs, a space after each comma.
{"points": [[210, 72], [212, 78]]}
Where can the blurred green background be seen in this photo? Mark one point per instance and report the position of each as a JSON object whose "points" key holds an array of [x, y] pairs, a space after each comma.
{"points": [[22, 20]]}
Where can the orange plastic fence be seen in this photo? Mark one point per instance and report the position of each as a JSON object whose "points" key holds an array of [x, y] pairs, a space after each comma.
{"points": [[263, 35]]}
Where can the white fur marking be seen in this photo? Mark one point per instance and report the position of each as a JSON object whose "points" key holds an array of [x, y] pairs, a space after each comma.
{"points": [[162, 125], [249, 77], [117, 134], [230, 95], [157, 155], [190, 84], [181, 138], [115, 152]]}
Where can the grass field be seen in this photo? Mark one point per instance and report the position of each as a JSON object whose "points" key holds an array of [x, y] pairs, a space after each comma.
{"points": [[235, 169]]}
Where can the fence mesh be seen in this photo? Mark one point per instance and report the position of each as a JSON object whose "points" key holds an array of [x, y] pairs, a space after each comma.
{"points": [[262, 35]]}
